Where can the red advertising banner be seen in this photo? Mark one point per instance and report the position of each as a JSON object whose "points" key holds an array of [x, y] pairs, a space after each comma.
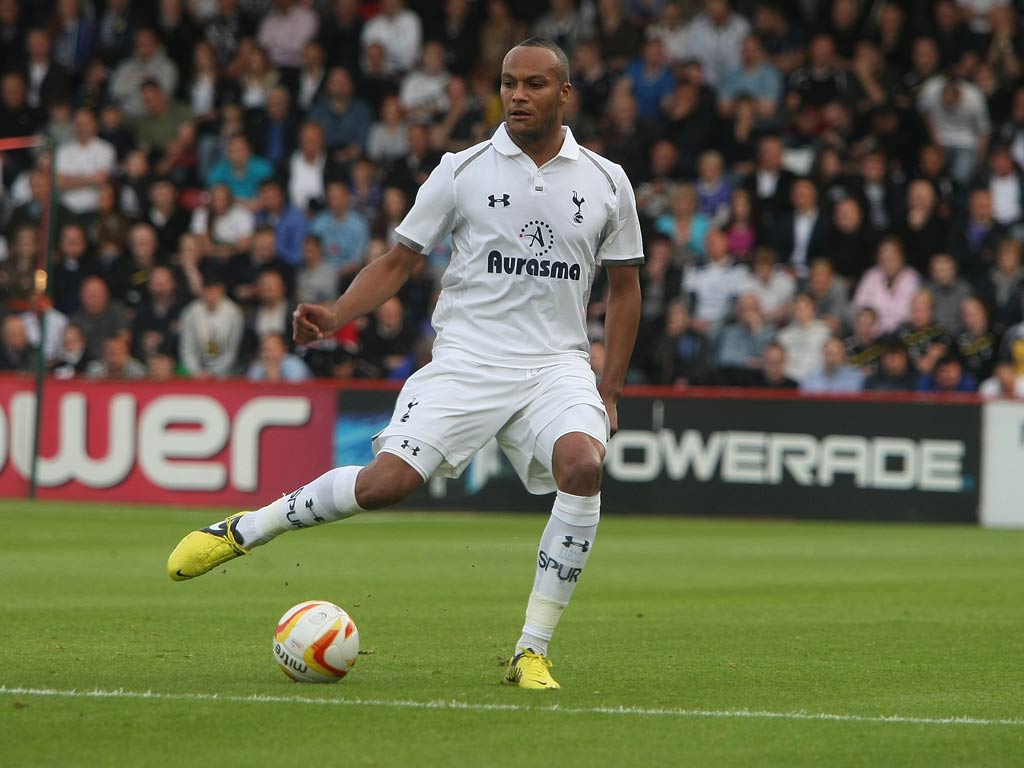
{"points": [[231, 443]]}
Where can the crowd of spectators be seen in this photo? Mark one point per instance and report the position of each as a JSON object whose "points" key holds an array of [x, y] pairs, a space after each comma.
{"points": [[831, 193]]}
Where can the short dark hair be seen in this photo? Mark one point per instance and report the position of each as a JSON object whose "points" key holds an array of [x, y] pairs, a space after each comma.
{"points": [[555, 48]]}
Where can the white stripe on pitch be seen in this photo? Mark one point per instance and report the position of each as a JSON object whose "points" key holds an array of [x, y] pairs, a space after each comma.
{"points": [[471, 707]]}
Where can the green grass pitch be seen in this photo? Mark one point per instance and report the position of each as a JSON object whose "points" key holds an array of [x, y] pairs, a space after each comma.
{"points": [[689, 642]]}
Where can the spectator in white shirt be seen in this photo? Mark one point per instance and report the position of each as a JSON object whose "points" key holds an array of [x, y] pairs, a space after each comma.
{"points": [[285, 31], [715, 37], [1006, 184], [227, 227], [84, 165], [714, 286], [956, 114], [306, 167], [773, 286], [399, 31], [804, 339], [423, 90]]}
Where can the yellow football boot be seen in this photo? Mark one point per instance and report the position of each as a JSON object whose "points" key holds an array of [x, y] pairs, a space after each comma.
{"points": [[204, 550], [530, 670]]}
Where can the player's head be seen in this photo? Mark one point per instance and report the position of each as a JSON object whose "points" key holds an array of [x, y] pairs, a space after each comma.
{"points": [[534, 88]]}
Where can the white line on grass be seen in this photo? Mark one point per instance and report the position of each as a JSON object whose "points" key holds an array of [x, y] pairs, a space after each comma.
{"points": [[471, 707]]}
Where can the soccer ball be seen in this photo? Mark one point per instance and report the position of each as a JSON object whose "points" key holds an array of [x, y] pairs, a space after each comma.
{"points": [[316, 642]]}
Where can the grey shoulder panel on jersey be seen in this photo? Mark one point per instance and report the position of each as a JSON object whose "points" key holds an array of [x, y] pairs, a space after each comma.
{"points": [[470, 159], [591, 158], [409, 243]]}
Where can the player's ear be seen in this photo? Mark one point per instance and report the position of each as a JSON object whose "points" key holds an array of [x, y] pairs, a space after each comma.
{"points": [[563, 97]]}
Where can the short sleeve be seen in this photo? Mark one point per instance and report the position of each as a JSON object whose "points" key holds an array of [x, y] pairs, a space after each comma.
{"points": [[433, 214], [623, 243]]}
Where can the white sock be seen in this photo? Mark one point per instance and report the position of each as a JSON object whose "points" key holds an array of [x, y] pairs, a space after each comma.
{"points": [[564, 549], [330, 497]]}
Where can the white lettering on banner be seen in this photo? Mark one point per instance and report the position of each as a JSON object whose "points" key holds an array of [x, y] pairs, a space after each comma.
{"points": [[73, 461], [251, 420], [881, 463], [163, 443], [173, 438]]}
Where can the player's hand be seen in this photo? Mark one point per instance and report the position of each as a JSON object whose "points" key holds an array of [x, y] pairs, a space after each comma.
{"points": [[312, 322], [611, 406]]}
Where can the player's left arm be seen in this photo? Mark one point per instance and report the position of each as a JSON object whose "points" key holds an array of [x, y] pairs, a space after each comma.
{"points": [[621, 320]]}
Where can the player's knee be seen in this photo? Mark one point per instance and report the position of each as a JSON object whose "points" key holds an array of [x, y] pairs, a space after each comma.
{"points": [[580, 475], [385, 481]]}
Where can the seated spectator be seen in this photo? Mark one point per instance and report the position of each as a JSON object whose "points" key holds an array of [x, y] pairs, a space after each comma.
{"points": [[947, 376], [921, 229], [225, 226], [926, 340], [741, 343], [835, 374], [275, 363], [344, 233], [393, 207], [240, 171], [862, 346], [159, 124], [800, 234], [803, 339], [956, 115], [161, 366], [99, 316], [40, 313], [772, 374], [399, 31], [168, 219], [463, 125], [1005, 184], [211, 332], [894, 374], [660, 283], [273, 132], [590, 76], [289, 222], [155, 325], [650, 79], [272, 312], [830, 295], [948, 291], [822, 81], [116, 362], [1001, 287], [713, 286], [71, 359], [345, 118], [1003, 383], [618, 34], [680, 355], [773, 287], [149, 62], [422, 95], [18, 270], [1012, 347], [975, 235], [386, 344], [565, 24], [311, 76], [285, 30], [410, 172], [83, 165], [16, 354], [714, 191], [685, 226], [654, 195], [850, 240], [244, 269], [741, 226], [976, 344], [888, 287], [367, 191], [388, 140], [257, 76], [757, 77], [715, 36], [316, 281], [307, 168]]}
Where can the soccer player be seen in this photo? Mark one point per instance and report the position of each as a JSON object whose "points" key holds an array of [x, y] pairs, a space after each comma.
{"points": [[531, 214]]}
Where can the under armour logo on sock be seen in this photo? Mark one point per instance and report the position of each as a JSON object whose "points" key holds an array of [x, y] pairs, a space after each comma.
{"points": [[405, 446], [571, 542], [309, 506], [503, 200]]}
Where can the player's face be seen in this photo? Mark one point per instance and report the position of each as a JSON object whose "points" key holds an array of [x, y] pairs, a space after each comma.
{"points": [[531, 93]]}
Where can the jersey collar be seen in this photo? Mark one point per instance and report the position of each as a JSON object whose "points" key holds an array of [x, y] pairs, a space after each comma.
{"points": [[503, 143]]}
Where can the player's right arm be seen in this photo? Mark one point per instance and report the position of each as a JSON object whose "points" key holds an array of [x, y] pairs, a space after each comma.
{"points": [[377, 282]]}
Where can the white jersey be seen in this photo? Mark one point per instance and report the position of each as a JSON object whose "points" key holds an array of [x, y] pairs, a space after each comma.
{"points": [[525, 244]]}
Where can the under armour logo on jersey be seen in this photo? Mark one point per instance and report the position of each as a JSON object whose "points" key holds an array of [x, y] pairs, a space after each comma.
{"points": [[578, 202], [503, 200], [405, 446], [569, 541], [408, 410]]}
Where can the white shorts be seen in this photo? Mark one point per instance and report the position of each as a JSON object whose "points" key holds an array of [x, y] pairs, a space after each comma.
{"points": [[456, 405]]}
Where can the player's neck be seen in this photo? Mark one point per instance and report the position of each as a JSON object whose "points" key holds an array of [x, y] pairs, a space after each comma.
{"points": [[543, 148]]}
